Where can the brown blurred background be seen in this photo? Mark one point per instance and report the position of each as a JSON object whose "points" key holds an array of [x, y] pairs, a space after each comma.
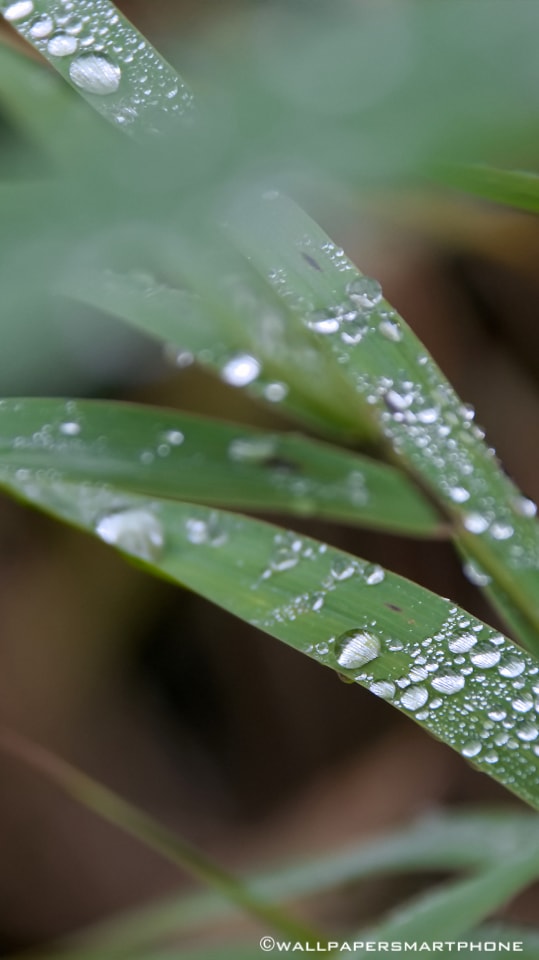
{"points": [[150, 689]]}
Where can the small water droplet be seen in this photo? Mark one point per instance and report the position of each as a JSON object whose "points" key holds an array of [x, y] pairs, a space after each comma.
{"points": [[527, 732], [355, 648], [136, 530], [458, 494], [524, 507], [241, 370], [510, 666], [497, 715], [342, 568], [365, 292], [383, 688], [375, 575], [398, 401], [275, 392], [41, 28], [323, 322], [462, 644], [491, 757], [485, 656], [501, 531], [475, 574], [174, 437], [252, 449], [429, 415], [62, 45], [18, 11], [472, 748], [95, 73], [475, 523], [70, 428], [414, 698], [391, 331], [448, 682]]}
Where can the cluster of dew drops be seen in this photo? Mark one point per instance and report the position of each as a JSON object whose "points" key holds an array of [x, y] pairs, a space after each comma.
{"points": [[352, 319], [100, 47]]}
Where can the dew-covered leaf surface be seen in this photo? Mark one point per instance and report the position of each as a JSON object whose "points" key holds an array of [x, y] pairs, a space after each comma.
{"points": [[463, 681], [163, 453], [400, 388]]}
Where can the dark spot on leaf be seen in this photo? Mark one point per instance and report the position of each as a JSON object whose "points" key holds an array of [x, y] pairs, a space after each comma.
{"points": [[393, 606], [312, 262]]}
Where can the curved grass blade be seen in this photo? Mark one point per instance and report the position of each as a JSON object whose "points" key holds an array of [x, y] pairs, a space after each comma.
{"points": [[101, 54], [454, 909], [162, 453], [450, 842], [399, 387], [460, 679]]}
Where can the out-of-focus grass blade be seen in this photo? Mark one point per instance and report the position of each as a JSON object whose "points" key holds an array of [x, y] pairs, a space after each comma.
{"points": [[514, 188], [400, 388], [424, 655], [451, 842], [175, 455], [454, 909]]}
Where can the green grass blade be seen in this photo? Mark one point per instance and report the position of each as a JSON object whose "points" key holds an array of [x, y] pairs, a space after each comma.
{"points": [[518, 189], [163, 453], [399, 387], [460, 679], [456, 908], [101, 54], [451, 842]]}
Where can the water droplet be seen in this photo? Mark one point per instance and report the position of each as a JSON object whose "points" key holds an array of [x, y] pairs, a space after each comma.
{"points": [[398, 401], [374, 576], [62, 45], [524, 507], [475, 574], [275, 392], [323, 322], [472, 748], [497, 715], [511, 666], [523, 704], [414, 698], [70, 428], [448, 682], [342, 568], [391, 331], [18, 11], [95, 73], [174, 437], [383, 688], [395, 646], [491, 757], [485, 656], [41, 28], [429, 415], [462, 644], [286, 553], [501, 531], [241, 370], [137, 530], [458, 494], [355, 648], [252, 449], [418, 673], [527, 732], [475, 523], [365, 292]]}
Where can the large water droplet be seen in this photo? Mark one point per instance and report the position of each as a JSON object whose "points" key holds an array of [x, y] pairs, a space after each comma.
{"points": [[383, 688], [414, 698], [501, 530], [391, 331], [462, 644], [448, 682], [70, 428], [241, 370], [523, 704], [528, 732], [485, 656], [136, 530], [511, 666], [472, 748], [459, 494], [174, 437], [475, 574], [524, 507], [374, 575], [342, 568], [62, 45], [355, 648], [18, 11], [95, 73], [475, 523], [365, 292], [323, 322]]}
